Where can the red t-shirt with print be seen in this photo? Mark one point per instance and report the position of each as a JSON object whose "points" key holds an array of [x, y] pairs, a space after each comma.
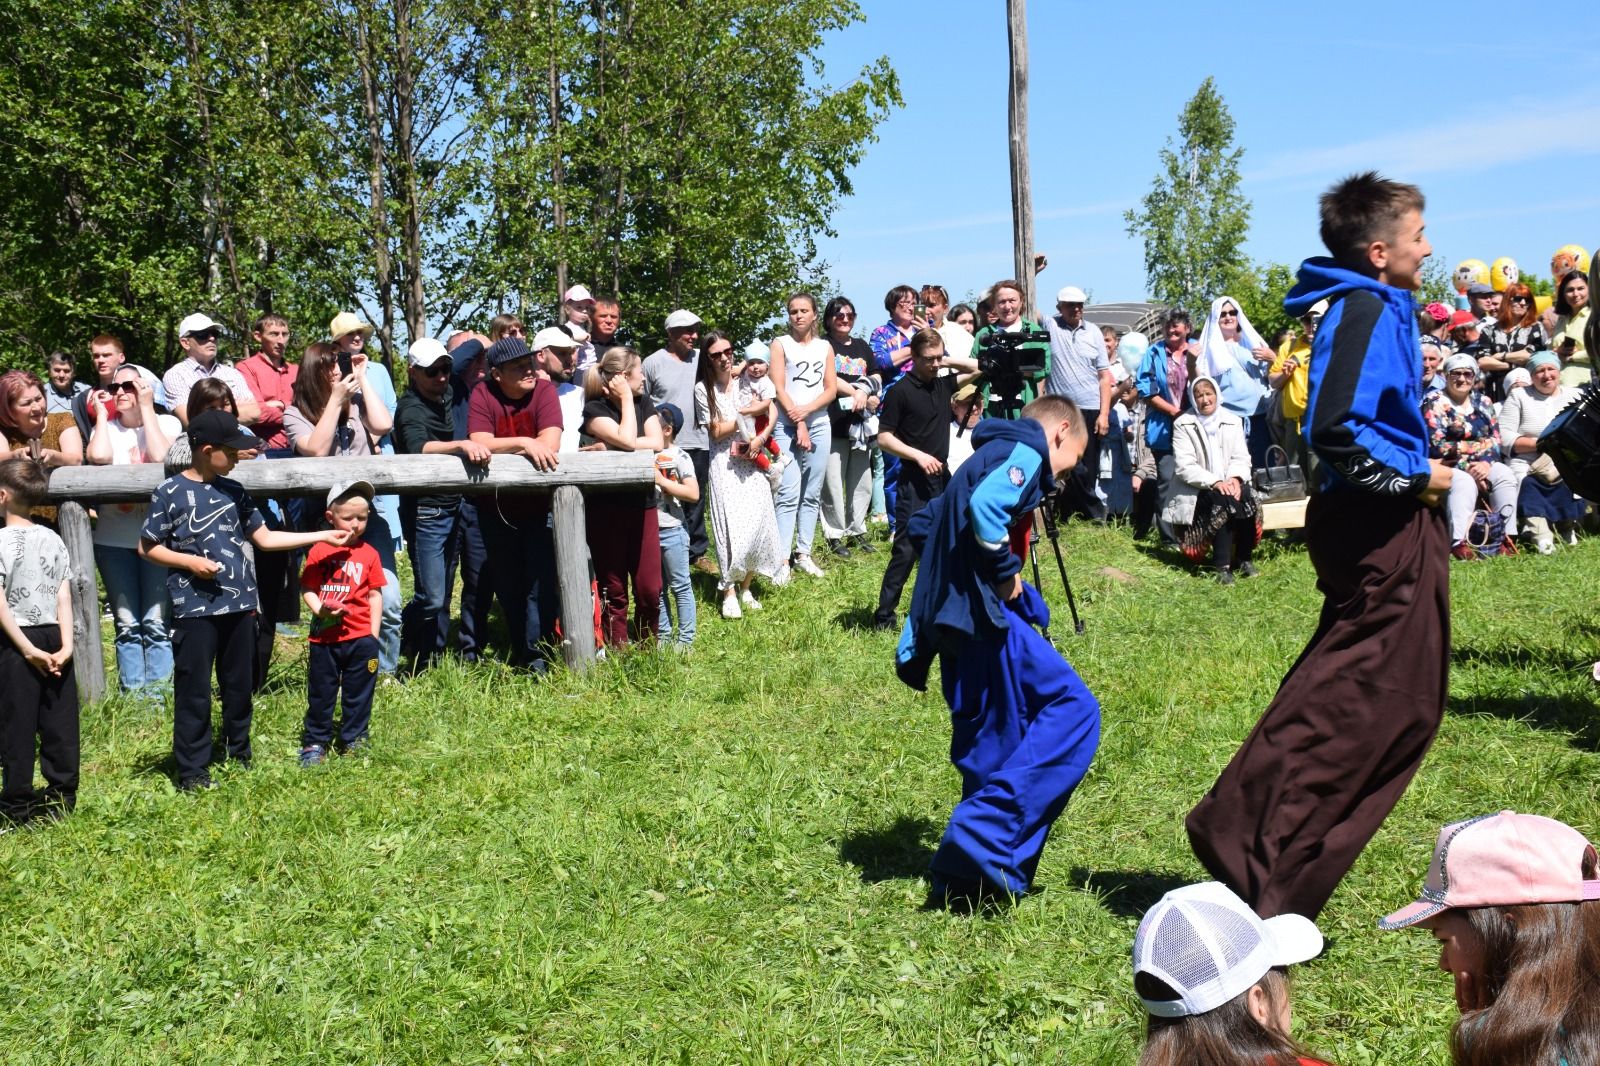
{"points": [[342, 576]]}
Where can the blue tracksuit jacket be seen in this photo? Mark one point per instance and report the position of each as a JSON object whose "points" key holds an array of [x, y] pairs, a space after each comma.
{"points": [[1364, 411], [1024, 727]]}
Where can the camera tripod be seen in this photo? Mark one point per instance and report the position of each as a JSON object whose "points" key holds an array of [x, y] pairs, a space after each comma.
{"points": [[1045, 516]]}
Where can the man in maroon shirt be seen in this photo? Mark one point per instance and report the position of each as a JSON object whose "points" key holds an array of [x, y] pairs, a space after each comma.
{"points": [[515, 412], [271, 379]]}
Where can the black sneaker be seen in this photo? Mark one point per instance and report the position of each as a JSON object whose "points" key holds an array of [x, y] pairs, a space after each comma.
{"points": [[197, 783], [839, 548], [1248, 570], [862, 544], [883, 625], [1224, 576]]}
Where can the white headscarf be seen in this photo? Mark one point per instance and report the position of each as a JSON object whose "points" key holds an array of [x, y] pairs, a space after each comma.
{"points": [[1216, 359], [1210, 425]]}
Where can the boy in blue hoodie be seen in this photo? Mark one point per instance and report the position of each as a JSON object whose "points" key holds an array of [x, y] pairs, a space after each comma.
{"points": [[1357, 712], [1023, 726]]}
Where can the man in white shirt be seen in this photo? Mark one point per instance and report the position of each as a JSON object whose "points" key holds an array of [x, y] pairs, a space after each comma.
{"points": [[1080, 370]]}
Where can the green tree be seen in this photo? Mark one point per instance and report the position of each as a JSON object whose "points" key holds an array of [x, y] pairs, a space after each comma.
{"points": [[1194, 219], [678, 161], [1260, 290]]}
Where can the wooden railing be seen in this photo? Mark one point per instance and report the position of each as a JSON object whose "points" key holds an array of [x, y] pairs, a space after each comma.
{"points": [[74, 489]]}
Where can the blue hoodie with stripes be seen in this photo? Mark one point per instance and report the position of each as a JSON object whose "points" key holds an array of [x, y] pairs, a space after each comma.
{"points": [[1364, 411]]}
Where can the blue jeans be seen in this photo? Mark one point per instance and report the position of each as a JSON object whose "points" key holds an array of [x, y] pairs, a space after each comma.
{"points": [[382, 539], [435, 538], [675, 578], [800, 491], [138, 593]]}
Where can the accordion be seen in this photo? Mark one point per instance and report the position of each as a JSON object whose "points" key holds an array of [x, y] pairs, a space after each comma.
{"points": [[1572, 441]]}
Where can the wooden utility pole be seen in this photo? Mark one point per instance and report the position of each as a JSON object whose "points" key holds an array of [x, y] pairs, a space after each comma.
{"points": [[1021, 190]]}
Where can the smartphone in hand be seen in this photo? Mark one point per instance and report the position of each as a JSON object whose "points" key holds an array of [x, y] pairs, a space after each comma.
{"points": [[345, 369]]}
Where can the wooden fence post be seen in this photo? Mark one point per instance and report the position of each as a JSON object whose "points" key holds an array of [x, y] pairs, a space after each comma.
{"points": [[88, 655], [572, 574]]}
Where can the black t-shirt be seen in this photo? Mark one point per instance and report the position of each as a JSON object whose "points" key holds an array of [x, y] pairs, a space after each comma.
{"points": [[604, 407], [852, 361], [918, 414]]}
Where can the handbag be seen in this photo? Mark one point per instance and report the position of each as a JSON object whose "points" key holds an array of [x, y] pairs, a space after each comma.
{"points": [[1572, 441], [1283, 482], [1487, 534]]}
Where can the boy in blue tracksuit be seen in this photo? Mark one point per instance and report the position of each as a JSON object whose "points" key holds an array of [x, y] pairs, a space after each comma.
{"points": [[1356, 713], [1023, 726]]}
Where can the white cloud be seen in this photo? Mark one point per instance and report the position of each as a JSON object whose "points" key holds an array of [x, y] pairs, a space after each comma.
{"points": [[1517, 135]]}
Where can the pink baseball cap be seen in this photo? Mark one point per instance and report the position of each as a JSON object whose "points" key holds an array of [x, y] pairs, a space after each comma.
{"points": [[1502, 860]]}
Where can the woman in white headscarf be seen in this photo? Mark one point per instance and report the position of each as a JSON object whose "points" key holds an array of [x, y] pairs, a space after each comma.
{"points": [[1211, 484], [1234, 356]]}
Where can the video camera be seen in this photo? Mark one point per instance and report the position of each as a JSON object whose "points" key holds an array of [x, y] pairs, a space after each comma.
{"points": [[1008, 362]]}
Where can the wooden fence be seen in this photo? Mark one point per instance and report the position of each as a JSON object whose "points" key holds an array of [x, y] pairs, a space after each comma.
{"points": [[75, 489]]}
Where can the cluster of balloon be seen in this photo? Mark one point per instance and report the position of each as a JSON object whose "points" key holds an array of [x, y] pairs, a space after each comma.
{"points": [[1568, 257], [1470, 272]]}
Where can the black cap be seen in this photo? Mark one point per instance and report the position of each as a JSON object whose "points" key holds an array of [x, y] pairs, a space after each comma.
{"points": [[464, 354], [219, 429], [506, 349], [669, 413]]}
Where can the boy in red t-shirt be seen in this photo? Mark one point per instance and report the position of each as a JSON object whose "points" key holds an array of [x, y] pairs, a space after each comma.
{"points": [[341, 585]]}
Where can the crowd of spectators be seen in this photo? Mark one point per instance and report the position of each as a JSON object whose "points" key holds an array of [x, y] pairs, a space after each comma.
{"points": [[829, 423]]}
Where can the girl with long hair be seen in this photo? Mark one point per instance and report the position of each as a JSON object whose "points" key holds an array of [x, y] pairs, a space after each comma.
{"points": [[1514, 902], [803, 375]]}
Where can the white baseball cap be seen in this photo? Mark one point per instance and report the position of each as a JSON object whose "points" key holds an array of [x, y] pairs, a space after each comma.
{"points": [[1208, 946], [681, 318], [552, 337], [1071, 295], [578, 294], [425, 351], [196, 323]]}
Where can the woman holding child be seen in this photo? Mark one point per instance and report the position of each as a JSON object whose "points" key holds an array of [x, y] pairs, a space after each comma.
{"points": [[742, 518]]}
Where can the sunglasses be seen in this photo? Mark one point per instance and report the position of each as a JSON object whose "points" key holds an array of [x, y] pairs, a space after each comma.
{"points": [[437, 370], [122, 386], [208, 335], [844, 314], [720, 353], [1228, 314], [1463, 374]]}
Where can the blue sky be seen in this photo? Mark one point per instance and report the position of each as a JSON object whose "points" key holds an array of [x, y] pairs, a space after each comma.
{"points": [[1500, 128]]}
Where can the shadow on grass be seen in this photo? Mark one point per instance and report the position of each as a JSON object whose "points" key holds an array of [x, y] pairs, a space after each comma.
{"points": [[895, 852], [1571, 714], [1126, 893], [858, 618], [157, 763]]}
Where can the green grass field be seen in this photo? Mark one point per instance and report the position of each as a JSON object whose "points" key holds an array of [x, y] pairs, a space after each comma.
{"points": [[719, 857]]}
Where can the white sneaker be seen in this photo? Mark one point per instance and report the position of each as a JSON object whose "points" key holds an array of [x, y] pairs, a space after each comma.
{"points": [[730, 606], [1572, 538], [804, 564], [783, 576], [748, 599], [1545, 546]]}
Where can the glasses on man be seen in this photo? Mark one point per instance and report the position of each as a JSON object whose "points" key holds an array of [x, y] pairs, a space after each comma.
{"points": [[205, 337], [438, 370]]}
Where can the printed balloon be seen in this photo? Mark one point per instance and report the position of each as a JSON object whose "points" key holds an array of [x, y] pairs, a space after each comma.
{"points": [[1568, 257], [1471, 272], [1542, 304], [1503, 272]]}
